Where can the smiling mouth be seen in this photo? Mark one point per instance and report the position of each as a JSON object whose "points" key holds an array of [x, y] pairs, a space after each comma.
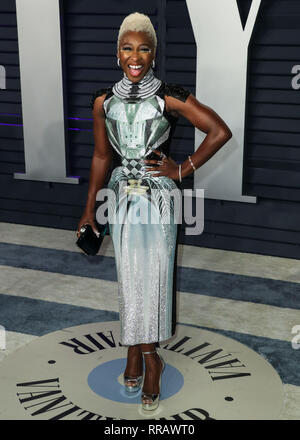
{"points": [[135, 70]]}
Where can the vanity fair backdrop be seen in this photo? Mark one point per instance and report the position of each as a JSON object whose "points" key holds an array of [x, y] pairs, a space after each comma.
{"points": [[270, 224]]}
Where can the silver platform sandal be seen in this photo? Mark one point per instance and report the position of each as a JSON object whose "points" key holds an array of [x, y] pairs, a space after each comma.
{"points": [[136, 386], [154, 397], [137, 382]]}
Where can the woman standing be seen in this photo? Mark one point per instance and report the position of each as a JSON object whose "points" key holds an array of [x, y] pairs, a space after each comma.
{"points": [[136, 117]]}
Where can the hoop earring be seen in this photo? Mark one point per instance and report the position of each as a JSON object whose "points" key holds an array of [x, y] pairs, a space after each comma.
{"points": [[118, 62], [153, 64]]}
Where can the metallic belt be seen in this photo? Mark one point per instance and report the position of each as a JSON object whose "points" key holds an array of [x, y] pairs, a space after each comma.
{"points": [[133, 167]]}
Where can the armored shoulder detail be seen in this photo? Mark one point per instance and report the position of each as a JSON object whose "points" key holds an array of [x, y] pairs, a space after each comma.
{"points": [[175, 90], [100, 92]]}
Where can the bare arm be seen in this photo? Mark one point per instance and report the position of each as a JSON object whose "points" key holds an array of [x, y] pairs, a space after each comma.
{"points": [[206, 120], [100, 162], [102, 154]]}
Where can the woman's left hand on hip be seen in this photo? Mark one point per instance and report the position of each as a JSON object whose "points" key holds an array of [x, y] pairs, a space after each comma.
{"points": [[165, 166]]}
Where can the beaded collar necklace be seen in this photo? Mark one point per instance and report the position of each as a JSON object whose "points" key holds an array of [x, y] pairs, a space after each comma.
{"points": [[148, 85]]}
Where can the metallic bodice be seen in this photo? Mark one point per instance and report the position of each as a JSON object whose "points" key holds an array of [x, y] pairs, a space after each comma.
{"points": [[135, 128]]}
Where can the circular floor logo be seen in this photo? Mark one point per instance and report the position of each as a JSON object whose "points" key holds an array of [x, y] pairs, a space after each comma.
{"points": [[77, 374]]}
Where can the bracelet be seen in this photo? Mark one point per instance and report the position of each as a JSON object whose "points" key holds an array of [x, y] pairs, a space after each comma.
{"points": [[192, 163], [179, 172]]}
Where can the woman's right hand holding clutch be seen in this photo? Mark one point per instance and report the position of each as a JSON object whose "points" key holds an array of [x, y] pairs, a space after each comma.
{"points": [[87, 217]]}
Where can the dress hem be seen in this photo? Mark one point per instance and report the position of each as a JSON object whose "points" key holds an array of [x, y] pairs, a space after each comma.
{"points": [[148, 342]]}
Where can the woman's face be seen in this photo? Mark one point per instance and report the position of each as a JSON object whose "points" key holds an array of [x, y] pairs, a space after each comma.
{"points": [[136, 52]]}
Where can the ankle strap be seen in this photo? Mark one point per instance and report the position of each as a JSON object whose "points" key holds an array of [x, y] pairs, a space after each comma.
{"points": [[148, 352]]}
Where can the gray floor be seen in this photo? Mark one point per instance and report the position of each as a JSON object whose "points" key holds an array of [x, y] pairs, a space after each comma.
{"points": [[251, 298]]}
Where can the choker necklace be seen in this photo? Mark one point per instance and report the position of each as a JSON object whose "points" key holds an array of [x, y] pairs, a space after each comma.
{"points": [[146, 87]]}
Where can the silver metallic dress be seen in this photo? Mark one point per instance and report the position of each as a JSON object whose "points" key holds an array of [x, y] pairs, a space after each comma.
{"points": [[142, 223]]}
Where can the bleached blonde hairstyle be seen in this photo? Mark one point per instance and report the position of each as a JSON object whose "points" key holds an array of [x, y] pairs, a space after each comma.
{"points": [[138, 22]]}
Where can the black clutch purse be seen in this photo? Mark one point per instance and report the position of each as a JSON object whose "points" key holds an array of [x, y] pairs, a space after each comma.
{"points": [[88, 241]]}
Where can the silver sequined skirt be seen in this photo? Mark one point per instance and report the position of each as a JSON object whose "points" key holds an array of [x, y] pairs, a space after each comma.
{"points": [[145, 257]]}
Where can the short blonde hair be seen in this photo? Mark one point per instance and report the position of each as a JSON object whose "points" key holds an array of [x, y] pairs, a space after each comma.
{"points": [[137, 22]]}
